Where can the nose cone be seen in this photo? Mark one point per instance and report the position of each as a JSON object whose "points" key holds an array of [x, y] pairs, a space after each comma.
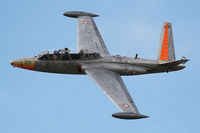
{"points": [[16, 63], [12, 63], [24, 63]]}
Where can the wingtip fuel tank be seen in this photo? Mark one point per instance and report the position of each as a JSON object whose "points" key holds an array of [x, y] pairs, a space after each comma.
{"points": [[128, 115], [76, 14]]}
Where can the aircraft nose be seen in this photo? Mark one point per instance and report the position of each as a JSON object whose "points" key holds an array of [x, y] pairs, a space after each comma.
{"points": [[16, 63], [12, 63], [23, 63]]}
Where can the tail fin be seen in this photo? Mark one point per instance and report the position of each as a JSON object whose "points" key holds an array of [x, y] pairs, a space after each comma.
{"points": [[166, 45]]}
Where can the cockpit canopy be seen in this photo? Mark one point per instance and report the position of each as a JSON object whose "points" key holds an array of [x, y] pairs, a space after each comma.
{"points": [[64, 54]]}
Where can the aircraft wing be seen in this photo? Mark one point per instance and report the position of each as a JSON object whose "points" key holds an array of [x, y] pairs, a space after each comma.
{"points": [[113, 86], [89, 38]]}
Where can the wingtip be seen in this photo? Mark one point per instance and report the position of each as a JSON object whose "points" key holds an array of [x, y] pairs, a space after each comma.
{"points": [[75, 14], [129, 115]]}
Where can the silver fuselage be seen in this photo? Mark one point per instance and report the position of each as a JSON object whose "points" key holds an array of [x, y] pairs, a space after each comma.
{"points": [[119, 64]]}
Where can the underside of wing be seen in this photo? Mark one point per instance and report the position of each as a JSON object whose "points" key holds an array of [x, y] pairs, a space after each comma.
{"points": [[113, 86], [89, 38]]}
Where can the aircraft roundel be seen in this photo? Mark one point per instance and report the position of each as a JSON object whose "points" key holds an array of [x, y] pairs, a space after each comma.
{"points": [[126, 105], [85, 22]]}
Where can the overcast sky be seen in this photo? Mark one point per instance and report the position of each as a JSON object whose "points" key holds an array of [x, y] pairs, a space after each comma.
{"points": [[36, 102]]}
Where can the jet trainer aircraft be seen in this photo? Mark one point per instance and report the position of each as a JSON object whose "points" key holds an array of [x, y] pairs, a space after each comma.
{"points": [[104, 69]]}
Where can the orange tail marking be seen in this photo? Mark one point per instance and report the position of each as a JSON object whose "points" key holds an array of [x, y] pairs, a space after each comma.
{"points": [[164, 50]]}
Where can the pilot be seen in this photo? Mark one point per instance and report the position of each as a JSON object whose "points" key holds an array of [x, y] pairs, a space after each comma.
{"points": [[64, 51], [67, 50], [55, 55], [55, 52], [81, 52], [67, 53]]}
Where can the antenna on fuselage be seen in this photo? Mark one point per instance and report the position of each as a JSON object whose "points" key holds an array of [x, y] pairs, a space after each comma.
{"points": [[136, 56]]}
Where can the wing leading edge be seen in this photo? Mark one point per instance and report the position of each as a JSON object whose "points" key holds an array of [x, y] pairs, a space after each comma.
{"points": [[89, 37], [113, 86]]}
